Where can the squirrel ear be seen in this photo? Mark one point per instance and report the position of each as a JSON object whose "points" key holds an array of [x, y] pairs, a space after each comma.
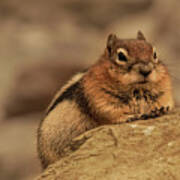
{"points": [[111, 42], [140, 36]]}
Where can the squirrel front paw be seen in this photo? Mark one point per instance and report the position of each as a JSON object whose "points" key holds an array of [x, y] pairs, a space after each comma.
{"points": [[156, 112]]}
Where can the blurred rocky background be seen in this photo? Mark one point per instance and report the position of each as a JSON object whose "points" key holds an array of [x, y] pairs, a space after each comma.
{"points": [[42, 43]]}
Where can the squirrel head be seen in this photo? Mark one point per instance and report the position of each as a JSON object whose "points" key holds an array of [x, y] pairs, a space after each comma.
{"points": [[133, 61]]}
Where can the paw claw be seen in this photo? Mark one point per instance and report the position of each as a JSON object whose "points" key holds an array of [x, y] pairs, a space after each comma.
{"points": [[145, 116]]}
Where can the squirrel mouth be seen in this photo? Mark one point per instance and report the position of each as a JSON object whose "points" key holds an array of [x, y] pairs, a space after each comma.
{"points": [[143, 81]]}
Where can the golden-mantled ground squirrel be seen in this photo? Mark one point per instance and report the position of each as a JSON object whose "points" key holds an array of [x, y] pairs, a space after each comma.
{"points": [[127, 83]]}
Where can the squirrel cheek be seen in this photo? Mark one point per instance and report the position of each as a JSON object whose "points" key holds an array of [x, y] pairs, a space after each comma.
{"points": [[153, 77], [157, 74], [130, 78]]}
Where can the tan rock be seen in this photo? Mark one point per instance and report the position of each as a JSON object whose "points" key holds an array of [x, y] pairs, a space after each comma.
{"points": [[142, 150]]}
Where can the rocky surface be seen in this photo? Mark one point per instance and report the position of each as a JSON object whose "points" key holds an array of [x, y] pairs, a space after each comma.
{"points": [[141, 150]]}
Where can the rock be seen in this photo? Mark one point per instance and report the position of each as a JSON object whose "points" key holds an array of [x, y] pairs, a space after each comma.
{"points": [[142, 150], [35, 86]]}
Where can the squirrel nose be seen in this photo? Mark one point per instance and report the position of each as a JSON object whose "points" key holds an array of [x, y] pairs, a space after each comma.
{"points": [[145, 72]]}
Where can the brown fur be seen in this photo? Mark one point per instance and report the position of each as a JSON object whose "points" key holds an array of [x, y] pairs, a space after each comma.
{"points": [[112, 91]]}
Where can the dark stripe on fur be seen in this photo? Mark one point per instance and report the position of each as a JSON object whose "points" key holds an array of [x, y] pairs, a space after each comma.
{"points": [[85, 106], [67, 94], [83, 102], [123, 99], [75, 92]]}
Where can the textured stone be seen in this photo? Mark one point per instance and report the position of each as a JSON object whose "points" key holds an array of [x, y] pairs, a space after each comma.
{"points": [[142, 150]]}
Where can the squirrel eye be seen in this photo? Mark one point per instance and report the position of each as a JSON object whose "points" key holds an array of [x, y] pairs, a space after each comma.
{"points": [[122, 57]]}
